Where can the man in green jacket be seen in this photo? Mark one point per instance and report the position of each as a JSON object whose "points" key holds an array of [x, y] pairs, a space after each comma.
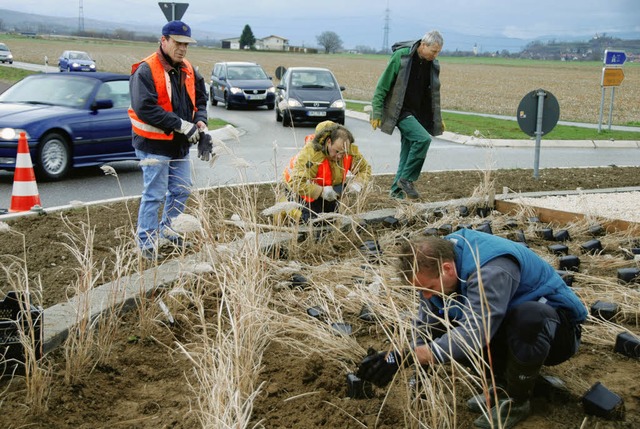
{"points": [[408, 96]]}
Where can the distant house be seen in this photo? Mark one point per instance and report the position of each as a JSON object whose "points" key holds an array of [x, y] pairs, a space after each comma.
{"points": [[231, 43], [269, 43], [272, 43]]}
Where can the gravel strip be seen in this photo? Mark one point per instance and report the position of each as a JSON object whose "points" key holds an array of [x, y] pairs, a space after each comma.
{"points": [[617, 205]]}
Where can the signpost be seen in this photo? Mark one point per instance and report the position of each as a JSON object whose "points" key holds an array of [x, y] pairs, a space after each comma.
{"points": [[173, 11], [612, 76], [538, 114], [614, 58]]}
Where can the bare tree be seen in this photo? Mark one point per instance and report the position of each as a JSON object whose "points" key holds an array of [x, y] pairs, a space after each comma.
{"points": [[330, 41]]}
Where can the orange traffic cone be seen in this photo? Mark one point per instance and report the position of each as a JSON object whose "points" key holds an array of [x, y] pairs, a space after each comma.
{"points": [[25, 190]]}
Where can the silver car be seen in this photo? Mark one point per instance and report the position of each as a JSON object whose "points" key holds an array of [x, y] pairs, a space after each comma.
{"points": [[5, 54]]}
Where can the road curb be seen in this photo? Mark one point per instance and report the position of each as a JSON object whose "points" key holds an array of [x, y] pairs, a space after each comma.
{"points": [[521, 143]]}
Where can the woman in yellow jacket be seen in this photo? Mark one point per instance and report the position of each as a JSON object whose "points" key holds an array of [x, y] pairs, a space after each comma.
{"points": [[318, 175]]}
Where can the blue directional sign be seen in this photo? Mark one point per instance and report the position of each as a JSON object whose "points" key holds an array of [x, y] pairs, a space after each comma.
{"points": [[614, 58]]}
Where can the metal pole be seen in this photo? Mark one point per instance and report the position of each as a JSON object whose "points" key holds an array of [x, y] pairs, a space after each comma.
{"points": [[541, 94], [613, 93], [173, 11], [601, 110]]}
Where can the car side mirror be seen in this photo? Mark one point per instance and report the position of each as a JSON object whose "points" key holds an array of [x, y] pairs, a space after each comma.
{"points": [[222, 78], [342, 88], [102, 104], [280, 86]]}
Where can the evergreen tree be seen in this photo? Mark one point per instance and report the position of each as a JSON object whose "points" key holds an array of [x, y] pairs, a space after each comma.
{"points": [[247, 38]]}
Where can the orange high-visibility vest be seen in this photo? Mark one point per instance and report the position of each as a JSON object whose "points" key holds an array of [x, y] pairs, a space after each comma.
{"points": [[162, 83], [323, 177]]}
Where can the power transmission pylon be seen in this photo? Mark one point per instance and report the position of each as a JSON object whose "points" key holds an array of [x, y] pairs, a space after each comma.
{"points": [[385, 39], [80, 19]]}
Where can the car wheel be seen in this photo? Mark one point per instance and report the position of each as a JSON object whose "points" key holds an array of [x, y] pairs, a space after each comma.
{"points": [[278, 117], [286, 118], [212, 98], [271, 106], [69, 69], [227, 104], [53, 157]]}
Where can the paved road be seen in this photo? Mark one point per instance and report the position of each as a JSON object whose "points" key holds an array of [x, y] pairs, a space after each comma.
{"points": [[265, 146]]}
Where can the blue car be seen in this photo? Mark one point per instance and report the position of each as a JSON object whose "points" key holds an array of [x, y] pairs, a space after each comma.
{"points": [[76, 61], [70, 120]]}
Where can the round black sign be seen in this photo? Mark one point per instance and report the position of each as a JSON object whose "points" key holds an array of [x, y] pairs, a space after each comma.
{"points": [[527, 113], [280, 71]]}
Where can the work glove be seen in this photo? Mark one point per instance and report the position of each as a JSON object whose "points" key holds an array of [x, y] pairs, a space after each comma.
{"points": [[329, 194], [190, 131], [353, 188], [375, 123], [379, 368], [444, 126], [205, 146]]}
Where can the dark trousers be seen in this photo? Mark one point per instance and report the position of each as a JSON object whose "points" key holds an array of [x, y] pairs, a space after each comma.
{"points": [[535, 334], [414, 144]]}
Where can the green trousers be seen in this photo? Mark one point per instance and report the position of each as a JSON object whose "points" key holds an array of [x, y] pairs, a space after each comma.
{"points": [[414, 144]]}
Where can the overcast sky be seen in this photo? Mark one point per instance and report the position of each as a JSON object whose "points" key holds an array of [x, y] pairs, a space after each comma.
{"points": [[362, 22]]}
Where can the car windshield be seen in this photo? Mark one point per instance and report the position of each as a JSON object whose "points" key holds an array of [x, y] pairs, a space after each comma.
{"points": [[79, 56], [3, 47], [312, 79], [54, 90], [246, 73]]}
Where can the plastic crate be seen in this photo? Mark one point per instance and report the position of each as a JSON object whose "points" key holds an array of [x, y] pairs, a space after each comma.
{"points": [[12, 323]]}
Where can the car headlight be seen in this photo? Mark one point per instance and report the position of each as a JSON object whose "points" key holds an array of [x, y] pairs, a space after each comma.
{"points": [[338, 104], [92, 66], [292, 102], [235, 90], [272, 89], [12, 133], [10, 56], [75, 65]]}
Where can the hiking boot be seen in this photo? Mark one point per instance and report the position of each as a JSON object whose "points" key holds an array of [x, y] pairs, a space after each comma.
{"points": [[408, 189], [478, 403], [176, 242], [149, 254], [508, 411]]}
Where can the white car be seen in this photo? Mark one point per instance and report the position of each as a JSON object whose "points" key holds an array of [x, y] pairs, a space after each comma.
{"points": [[5, 54]]}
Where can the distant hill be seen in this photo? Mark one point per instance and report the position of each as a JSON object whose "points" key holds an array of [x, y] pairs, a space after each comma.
{"points": [[20, 22]]}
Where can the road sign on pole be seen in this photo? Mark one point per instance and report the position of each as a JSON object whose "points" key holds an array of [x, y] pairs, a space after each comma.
{"points": [[173, 11], [537, 114], [614, 58], [612, 76]]}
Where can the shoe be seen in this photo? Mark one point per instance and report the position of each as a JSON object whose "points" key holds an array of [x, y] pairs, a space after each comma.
{"points": [[408, 189], [478, 403], [176, 242], [508, 411], [149, 254]]}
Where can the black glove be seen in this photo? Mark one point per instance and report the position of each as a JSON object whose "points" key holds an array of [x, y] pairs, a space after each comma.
{"points": [[379, 368], [205, 146]]}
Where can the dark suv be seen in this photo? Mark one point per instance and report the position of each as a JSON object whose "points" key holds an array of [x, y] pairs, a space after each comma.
{"points": [[241, 84]]}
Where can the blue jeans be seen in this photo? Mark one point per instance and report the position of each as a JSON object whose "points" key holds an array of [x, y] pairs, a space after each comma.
{"points": [[167, 180]]}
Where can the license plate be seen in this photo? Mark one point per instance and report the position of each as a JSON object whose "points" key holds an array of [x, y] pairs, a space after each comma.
{"points": [[316, 113], [256, 97]]}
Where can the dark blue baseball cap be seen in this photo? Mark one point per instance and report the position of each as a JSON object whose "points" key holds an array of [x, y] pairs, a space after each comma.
{"points": [[178, 31]]}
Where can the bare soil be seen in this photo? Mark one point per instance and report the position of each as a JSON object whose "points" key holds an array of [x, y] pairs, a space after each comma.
{"points": [[143, 385]]}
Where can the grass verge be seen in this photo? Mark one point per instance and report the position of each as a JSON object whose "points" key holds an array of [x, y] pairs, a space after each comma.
{"points": [[494, 128]]}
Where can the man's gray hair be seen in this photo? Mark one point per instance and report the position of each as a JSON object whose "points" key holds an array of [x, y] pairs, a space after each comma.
{"points": [[433, 37]]}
